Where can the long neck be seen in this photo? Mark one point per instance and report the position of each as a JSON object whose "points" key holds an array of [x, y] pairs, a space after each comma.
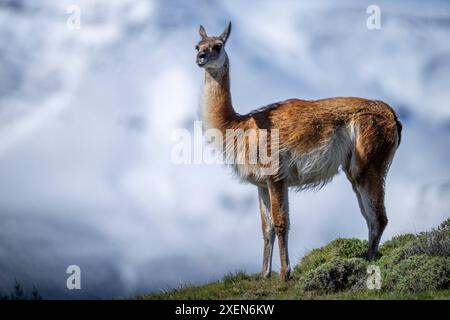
{"points": [[218, 110]]}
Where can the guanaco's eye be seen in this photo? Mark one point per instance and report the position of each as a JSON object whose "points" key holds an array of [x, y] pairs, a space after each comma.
{"points": [[217, 47], [196, 47]]}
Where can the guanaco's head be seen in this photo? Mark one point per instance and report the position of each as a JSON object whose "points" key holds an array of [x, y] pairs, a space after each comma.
{"points": [[211, 50]]}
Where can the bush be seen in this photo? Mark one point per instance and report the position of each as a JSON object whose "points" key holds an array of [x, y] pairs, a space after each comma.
{"points": [[396, 255], [397, 242], [409, 263], [445, 225], [434, 243], [336, 275], [341, 248], [418, 273]]}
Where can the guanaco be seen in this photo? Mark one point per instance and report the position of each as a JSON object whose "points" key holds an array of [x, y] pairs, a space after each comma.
{"points": [[315, 138]]}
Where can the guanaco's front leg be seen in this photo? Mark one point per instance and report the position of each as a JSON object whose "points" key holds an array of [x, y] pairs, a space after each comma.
{"points": [[267, 230], [279, 209]]}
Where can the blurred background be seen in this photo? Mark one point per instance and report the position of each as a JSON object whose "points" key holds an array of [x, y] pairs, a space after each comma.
{"points": [[86, 117]]}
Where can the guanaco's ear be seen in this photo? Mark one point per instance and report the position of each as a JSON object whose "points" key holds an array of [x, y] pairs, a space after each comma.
{"points": [[226, 33], [202, 32]]}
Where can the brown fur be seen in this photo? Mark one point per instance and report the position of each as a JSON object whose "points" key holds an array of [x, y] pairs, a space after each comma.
{"points": [[305, 126]]}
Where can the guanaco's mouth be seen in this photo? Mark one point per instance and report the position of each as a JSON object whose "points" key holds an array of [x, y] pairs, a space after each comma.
{"points": [[202, 61]]}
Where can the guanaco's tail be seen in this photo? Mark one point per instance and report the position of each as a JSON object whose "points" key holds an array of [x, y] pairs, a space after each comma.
{"points": [[399, 130]]}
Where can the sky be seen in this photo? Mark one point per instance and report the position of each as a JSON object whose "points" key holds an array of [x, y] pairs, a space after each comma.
{"points": [[87, 117]]}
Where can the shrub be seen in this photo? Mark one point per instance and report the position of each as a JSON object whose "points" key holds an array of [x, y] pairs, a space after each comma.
{"points": [[418, 273], [336, 275], [434, 243], [341, 248], [445, 225], [397, 242], [409, 263], [396, 255]]}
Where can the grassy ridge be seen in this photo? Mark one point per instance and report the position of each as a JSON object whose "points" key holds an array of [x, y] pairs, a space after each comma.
{"points": [[411, 267]]}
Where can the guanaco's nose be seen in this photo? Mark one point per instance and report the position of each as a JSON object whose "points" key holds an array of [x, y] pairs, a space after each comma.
{"points": [[202, 58]]}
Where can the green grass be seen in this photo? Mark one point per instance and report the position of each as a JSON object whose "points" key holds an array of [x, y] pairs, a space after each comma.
{"points": [[255, 287], [412, 267]]}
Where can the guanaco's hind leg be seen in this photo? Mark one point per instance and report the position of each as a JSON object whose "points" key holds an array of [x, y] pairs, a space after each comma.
{"points": [[279, 209], [372, 194], [367, 168], [267, 230], [358, 197], [368, 184]]}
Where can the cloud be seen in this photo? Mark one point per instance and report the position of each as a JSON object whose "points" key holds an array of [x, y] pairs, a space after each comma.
{"points": [[86, 121]]}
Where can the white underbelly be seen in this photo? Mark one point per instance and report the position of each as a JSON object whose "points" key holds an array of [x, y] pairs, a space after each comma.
{"points": [[319, 166], [310, 170]]}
